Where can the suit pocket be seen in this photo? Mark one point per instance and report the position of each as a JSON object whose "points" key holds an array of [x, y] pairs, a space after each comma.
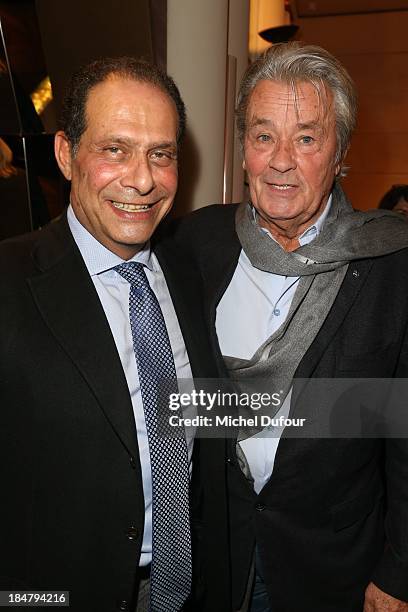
{"points": [[349, 512]]}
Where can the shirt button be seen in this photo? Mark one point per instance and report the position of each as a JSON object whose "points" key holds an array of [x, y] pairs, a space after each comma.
{"points": [[132, 533], [276, 312], [123, 605], [260, 507]]}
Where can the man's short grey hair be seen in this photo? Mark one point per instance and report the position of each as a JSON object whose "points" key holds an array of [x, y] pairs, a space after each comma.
{"points": [[292, 63]]}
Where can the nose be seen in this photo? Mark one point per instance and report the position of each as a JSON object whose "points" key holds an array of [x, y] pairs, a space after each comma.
{"points": [[138, 175], [282, 157]]}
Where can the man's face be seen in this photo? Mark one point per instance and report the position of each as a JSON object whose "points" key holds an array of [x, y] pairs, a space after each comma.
{"points": [[289, 154], [124, 174]]}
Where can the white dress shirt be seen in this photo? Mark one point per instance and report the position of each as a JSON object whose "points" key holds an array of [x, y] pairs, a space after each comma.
{"points": [[253, 307], [113, 291]]}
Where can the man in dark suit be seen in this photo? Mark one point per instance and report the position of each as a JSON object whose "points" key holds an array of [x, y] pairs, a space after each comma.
{"points": [[300, 286], [94, 316]]}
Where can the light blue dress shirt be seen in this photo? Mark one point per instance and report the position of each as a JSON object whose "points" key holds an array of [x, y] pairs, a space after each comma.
{"points": [[113, 292], [253, 307]]}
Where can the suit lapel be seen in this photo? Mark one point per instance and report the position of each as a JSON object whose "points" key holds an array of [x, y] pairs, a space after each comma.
{"points": [[349, 290], [217, 263], [69, 304], [186, 294], [290, 449]]}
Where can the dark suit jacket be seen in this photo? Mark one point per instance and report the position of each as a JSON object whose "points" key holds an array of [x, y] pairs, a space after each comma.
{"points": [[72, 508], [320, 523]]}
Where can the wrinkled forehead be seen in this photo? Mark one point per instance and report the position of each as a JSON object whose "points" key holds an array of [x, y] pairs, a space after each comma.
{"points": [[310, 101]]}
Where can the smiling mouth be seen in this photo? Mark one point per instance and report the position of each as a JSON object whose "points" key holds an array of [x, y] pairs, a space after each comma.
{"points": [[281, 187], [131, 207]]}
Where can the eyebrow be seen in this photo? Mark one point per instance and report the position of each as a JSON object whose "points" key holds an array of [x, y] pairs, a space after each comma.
{"points": [[260, 121], [309, 125], [164, 144], [170, 144]]}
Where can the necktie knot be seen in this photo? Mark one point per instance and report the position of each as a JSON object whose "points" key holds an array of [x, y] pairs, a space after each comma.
{"points": [[133, 272]]}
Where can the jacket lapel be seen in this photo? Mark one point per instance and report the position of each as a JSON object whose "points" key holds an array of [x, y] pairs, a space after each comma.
{"points": [[353, 282], [289, 450], [68, 302], [186, 294], [218, 263]]}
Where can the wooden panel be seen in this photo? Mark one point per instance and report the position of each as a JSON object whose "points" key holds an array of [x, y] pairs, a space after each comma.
{"points": [[366, 190], [385, 112], [382, 82], [378, 72], [348, 34], [379, 153], [374, 49], [311, 8]]}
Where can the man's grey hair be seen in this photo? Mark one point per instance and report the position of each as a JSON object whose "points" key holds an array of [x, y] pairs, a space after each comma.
{"points": [[292, 63]]}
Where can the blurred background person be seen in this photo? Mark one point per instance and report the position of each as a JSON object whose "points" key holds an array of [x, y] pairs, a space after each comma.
{"points": [[6, 157], [396, 199]]}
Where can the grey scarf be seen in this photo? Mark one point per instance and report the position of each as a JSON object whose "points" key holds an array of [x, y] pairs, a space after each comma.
{"points": [[321, 265]]}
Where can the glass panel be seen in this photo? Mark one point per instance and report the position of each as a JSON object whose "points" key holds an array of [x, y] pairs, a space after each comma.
{"points": [[23, 52]]}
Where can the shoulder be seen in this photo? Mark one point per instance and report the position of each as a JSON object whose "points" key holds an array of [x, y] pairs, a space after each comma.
{"points": [[389, 278], [210, 225], [393, 264], [16, 252], [19, 254], [207, 216]]}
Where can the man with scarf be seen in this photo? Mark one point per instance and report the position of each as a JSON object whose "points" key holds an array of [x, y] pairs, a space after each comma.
{"points": [[302, 287]]}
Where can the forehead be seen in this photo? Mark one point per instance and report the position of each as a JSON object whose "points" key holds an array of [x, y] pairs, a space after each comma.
{"points": [[122, 100], [301, 100]]}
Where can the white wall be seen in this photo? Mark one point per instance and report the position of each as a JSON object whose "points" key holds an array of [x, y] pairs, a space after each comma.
{"points": [[197, 49]]}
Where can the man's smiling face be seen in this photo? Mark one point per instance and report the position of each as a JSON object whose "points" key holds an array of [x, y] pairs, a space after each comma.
{"points": [[124, 173], [289, 154]]}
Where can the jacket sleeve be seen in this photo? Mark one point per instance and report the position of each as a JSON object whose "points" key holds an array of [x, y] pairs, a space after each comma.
{"points": [[391, 573]]}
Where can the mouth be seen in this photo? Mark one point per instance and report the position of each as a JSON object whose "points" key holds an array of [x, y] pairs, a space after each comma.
{"points": [[282, 187], [131, 207]]}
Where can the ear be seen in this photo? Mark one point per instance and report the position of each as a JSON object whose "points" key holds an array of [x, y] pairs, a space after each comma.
{"points": [[63, 155], [337, 167]]}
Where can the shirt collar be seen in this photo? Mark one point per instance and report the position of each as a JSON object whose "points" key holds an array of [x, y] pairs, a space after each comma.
{"points": [[310, 232], [98, 258]]}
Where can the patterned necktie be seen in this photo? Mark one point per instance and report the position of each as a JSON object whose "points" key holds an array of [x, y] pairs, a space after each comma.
{"points": [[171, 552]]}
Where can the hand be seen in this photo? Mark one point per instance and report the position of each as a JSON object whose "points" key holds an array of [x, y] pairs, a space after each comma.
{"points": [[378, 601]]}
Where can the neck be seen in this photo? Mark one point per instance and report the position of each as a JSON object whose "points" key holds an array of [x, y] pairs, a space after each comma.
{"points": [[287, 232], [286, 242]]}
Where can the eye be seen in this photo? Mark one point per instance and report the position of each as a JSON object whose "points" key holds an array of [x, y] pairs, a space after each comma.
{"points": [[113, 150], [306, 139], [263, 138], [163, 158], [160, 154]]}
